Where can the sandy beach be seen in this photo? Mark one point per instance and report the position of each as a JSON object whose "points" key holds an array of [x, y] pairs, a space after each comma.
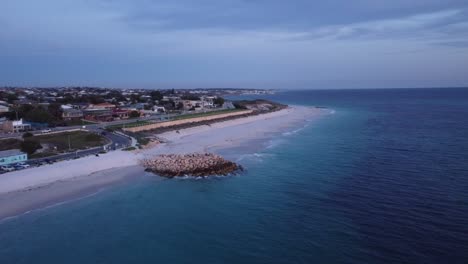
{"points": [[43, 186]]}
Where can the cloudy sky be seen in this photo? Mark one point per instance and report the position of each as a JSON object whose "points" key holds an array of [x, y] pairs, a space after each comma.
{"points": [[234, 43]]}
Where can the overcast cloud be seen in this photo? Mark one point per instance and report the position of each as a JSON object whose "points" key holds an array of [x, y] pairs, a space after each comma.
{"points": [[234, 43]]}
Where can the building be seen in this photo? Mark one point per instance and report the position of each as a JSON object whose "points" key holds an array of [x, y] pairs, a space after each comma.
{"points": [[228, 105], [192, 104], [99, 112], [72, 114], [13, 156], [99, 115], [121, 114], [159, 109], [208, 101], [16, 126], [4, 108], [101, 106]]}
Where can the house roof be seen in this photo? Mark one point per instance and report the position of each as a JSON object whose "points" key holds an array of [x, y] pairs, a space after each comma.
{"points": [[11, 152], [104, 105], [72, 110]]}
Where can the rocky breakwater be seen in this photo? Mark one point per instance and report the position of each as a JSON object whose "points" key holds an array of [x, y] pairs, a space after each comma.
{"points": [[197, 164]]}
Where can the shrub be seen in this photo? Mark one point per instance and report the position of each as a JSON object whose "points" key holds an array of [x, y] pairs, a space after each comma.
{"points": [[239, 105], [27, 135], [218, 101], [30, 146], [129, 149], [92, 137], [134, 114]]}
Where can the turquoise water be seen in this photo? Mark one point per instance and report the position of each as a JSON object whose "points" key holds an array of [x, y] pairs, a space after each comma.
{"points": [[382, 180]]}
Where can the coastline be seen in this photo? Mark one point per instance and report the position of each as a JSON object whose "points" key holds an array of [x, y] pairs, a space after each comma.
{"points": [[64, 181], [64, 191]]}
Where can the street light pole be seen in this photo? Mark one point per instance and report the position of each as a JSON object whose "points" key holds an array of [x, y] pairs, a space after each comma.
{"points": [[69, 143]]}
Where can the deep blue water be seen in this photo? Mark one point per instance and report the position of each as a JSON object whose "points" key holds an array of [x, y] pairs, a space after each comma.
{"points": [[383, 180]]}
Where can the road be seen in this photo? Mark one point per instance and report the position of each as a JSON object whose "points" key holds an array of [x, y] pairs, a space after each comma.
{"points": [[157, 118], [116, 142]]}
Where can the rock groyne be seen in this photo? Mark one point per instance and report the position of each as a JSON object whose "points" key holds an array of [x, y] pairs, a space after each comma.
{"points": [[197, 164]]}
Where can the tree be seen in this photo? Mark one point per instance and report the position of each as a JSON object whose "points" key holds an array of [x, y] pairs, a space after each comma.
{"points": [[156, 95], [55, 110], [134, 98], [30, 146], [117, 95], [238, 105], [134, 114], [190, 97], [148, 106], [39, 115], [24, 110], [95, 99], [180, 106], [27, 135], [218, 101], [11, 97]]}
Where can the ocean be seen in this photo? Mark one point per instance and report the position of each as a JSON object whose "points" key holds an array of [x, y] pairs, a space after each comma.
{"points": [[382, 179]]}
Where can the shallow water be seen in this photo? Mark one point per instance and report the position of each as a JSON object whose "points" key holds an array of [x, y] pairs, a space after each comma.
{"points": [[382, 180]]}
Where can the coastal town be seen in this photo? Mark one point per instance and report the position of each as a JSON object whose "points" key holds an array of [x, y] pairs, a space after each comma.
{"points": [[40, 126]]}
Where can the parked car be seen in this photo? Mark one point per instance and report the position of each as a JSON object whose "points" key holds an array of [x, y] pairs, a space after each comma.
{"points": [[45, 131], [7, 168], [18, 167], [22, 165]]}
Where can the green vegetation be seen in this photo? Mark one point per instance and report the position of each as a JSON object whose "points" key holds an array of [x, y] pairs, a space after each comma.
{"points": [[51, 114], [78, 123], [140, 137], [142, 141], [73, 140], [30, 145], [218, 101], [55, 142], [41, 155], [11, 143], [156, 95], [238, 105], [129, 149], [218, 112], [190, 97], [134, 114], [133, 124], [27, 135]]}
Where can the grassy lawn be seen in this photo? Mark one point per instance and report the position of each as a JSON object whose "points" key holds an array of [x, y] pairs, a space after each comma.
{"points": [[133, 124], [78, 140], [129, 149], [218, 112], [78, 123], [41, 155], [11, 143], [140, 137]]}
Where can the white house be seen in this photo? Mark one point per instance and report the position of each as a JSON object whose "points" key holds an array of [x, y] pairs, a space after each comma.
{"points": [[8, 157], [16, 126], [4, 109]]}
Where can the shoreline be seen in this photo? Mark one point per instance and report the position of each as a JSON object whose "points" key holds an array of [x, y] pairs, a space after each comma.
{"points": [[45, 186], [61, 192]]}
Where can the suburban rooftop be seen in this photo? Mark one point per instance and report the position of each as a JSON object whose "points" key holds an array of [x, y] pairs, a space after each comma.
{"points": [[11, 152]]}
